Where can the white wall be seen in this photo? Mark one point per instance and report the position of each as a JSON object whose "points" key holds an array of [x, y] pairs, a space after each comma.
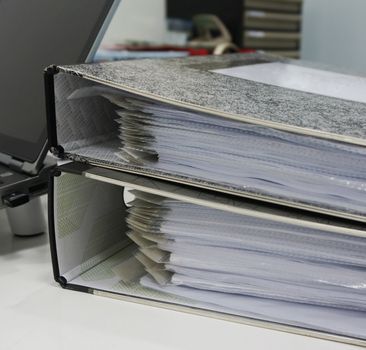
{"points": [[138, 20], [334, 31]]}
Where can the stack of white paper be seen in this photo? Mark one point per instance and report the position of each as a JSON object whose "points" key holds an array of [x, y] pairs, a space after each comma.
{"points": [[183, 244], [246, 158], [260, 160]]}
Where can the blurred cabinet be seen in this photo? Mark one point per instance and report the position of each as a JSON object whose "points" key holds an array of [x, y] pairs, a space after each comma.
{"points": [[270, 25]]}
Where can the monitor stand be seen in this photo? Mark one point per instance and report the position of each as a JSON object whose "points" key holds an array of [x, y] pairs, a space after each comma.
{"points": [[28, 219]]}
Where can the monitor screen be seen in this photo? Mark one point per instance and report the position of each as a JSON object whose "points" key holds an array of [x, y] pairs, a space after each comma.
{"points": [[33, 35]]}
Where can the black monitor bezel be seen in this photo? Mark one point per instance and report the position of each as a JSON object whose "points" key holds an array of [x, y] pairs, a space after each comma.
{"points": [[34, 152]]}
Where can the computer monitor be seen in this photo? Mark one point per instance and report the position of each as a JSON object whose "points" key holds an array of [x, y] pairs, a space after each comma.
{"points": [[33, 35]]}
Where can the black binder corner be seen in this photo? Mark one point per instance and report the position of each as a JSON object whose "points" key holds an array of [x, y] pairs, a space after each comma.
{"points": [[49, 74], [51, 225]]}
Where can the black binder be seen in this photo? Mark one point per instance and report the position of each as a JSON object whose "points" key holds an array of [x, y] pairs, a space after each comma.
{"points": [[98, 246], [294, 141], [92, 253]]}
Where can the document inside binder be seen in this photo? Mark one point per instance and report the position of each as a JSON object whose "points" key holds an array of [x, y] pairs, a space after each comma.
{"points": [[184, 247], [116, 129]]}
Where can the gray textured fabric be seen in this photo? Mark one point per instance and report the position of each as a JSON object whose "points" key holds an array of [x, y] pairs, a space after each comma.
{"points": [[189, 81]]}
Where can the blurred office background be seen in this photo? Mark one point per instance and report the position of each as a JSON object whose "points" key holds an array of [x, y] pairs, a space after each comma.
{"points": [[329, 31]]}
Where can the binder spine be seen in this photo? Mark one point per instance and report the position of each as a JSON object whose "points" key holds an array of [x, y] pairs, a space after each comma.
{"points": [[49, 74], [61, 280], [51, 228], [77, 288]]}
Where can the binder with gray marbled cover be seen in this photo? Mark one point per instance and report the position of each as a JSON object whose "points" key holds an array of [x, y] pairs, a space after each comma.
{"points": [[88, 128]]}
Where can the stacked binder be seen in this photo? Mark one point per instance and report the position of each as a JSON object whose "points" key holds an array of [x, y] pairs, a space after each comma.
{"points": [[231, 186]]}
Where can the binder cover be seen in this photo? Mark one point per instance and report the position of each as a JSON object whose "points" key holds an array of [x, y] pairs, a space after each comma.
{"points": [[262, 127], [91, 251]]}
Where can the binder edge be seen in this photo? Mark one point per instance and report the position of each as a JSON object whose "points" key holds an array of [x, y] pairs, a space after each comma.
{"points": [[49, 87]]}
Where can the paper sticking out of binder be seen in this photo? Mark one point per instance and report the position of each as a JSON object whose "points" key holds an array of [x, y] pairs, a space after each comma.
{"points": [[273, 129], [212, 254], [246, 178]]}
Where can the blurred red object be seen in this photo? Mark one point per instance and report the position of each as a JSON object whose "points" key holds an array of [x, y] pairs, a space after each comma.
{"points": [[193, 51], [247, 50]]}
